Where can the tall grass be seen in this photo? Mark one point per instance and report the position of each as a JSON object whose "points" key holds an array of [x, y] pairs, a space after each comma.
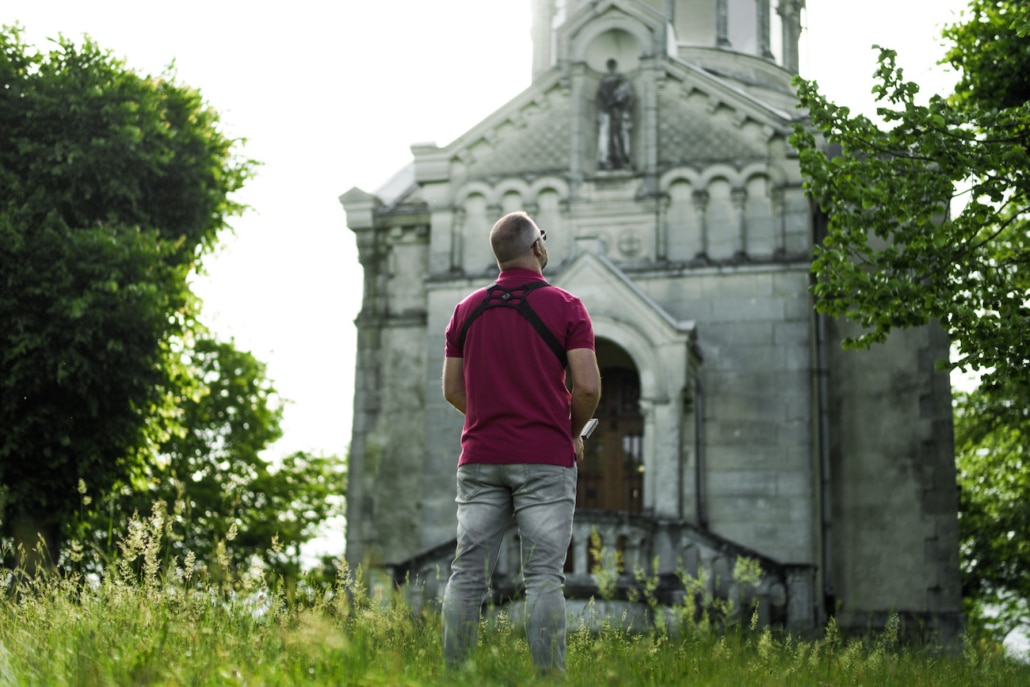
{"points": [[146, 621]]}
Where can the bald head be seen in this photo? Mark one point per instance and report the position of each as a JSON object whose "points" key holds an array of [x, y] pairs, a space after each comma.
{"points": [[513, 239]]}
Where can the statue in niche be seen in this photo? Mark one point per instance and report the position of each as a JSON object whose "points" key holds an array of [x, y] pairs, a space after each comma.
{"points": [[614, 119]]}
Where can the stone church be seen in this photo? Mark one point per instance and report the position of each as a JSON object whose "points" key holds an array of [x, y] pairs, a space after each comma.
{"points": [[652, 146]]}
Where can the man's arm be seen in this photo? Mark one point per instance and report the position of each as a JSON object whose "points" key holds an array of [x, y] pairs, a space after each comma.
{"points": [[586, 391], [454, 382]]}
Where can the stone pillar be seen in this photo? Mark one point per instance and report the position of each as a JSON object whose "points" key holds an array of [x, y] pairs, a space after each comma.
{"points": [[580, 145], [739, 199], [700, 208], [722, 24], [543, 35], [457, 239], [661, 234], [650, 450], [800, 599], [790, 12], [779, 222], [651, 71], [764, 29]]}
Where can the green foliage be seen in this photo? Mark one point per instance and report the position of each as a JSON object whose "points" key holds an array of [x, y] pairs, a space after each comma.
{"points": [[992, 437], [928, 219], [894, 255], [82, 358], [173, 625], [213, 481], [991, 51], [112, 185], [604, 572], [113, 401], [94, 143]]}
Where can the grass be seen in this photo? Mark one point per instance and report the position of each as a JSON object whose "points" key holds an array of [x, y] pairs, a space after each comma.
{"points": [[151, 622]]}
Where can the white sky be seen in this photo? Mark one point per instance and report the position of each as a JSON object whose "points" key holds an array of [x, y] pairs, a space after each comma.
{"points": [[331, 95]]}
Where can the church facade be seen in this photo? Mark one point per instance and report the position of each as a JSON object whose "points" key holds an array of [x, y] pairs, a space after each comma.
{"points": [[652, 146]]}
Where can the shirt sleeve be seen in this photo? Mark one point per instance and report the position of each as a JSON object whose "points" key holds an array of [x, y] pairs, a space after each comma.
{"points": [[451, 349], [580, 331]]}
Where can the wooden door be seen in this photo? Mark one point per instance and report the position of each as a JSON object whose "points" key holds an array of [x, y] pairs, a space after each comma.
{"points": [[611, 474]]}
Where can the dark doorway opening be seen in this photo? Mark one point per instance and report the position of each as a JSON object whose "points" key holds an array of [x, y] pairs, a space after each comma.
{"points": [[611, 476]]}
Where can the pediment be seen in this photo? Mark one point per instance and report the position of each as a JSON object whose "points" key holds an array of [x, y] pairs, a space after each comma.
{"points": [[528, 134], [550, 127], [622, 29], [662, 347], [609, 291], [698, 118]]}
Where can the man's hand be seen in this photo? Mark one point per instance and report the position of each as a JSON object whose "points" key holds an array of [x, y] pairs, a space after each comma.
{"points": [[586, 392]]}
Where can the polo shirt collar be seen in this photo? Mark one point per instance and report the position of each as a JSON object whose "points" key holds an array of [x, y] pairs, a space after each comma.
{"points": [[518, 276]]}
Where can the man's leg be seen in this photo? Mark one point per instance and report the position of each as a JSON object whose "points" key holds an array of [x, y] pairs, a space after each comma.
{"points": [[545, 500], [484, 512]]}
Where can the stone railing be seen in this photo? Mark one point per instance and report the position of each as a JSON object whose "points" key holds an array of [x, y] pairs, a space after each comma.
{"points": [[637, 558]]}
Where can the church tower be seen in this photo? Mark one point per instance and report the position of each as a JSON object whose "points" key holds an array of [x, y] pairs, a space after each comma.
{"points": [[710, 33], [653, 146]]}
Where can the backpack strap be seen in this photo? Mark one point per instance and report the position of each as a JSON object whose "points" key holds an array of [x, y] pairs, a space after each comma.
{"points": [[498, 297]]}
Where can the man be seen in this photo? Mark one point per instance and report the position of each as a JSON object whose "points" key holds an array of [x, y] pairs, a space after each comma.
{"points": [[507, 348]]}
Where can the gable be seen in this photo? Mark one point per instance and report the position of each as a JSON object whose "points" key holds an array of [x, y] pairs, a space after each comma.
{"points": [[533, 138], [694, 127], [662, 347], [552, 127]]}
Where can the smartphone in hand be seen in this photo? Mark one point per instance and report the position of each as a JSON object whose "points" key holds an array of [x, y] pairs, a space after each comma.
{"points": [[589, 428]]}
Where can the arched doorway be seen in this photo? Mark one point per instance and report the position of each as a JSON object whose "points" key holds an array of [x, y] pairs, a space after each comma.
{"points": [[611, 476]]}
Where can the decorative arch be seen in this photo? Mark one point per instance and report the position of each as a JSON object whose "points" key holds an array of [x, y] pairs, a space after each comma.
{"points": [[637, 347], [647, 28], [548, 183], [775, 174], [470, 189], [676, 174], [720, 171], [510, 185]]}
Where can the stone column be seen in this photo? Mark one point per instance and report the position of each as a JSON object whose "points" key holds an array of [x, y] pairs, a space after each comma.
{"points": [[581, 146], [800, 599], [661, 234], [543, 35], [651, 72], [457, 239], [739, 199], [780, 222], [764, 29], [790, 12], [650, 451], [722, 24], [700, 210]]}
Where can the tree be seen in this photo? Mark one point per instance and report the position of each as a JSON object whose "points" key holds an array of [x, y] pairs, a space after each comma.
{"points": [[991, 52], [112, 187], [894, 254], [222, 498], [927, 219], [992, 441]]}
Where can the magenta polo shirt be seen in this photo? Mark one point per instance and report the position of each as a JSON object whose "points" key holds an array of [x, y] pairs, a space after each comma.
{"points": [[517, 407]]}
